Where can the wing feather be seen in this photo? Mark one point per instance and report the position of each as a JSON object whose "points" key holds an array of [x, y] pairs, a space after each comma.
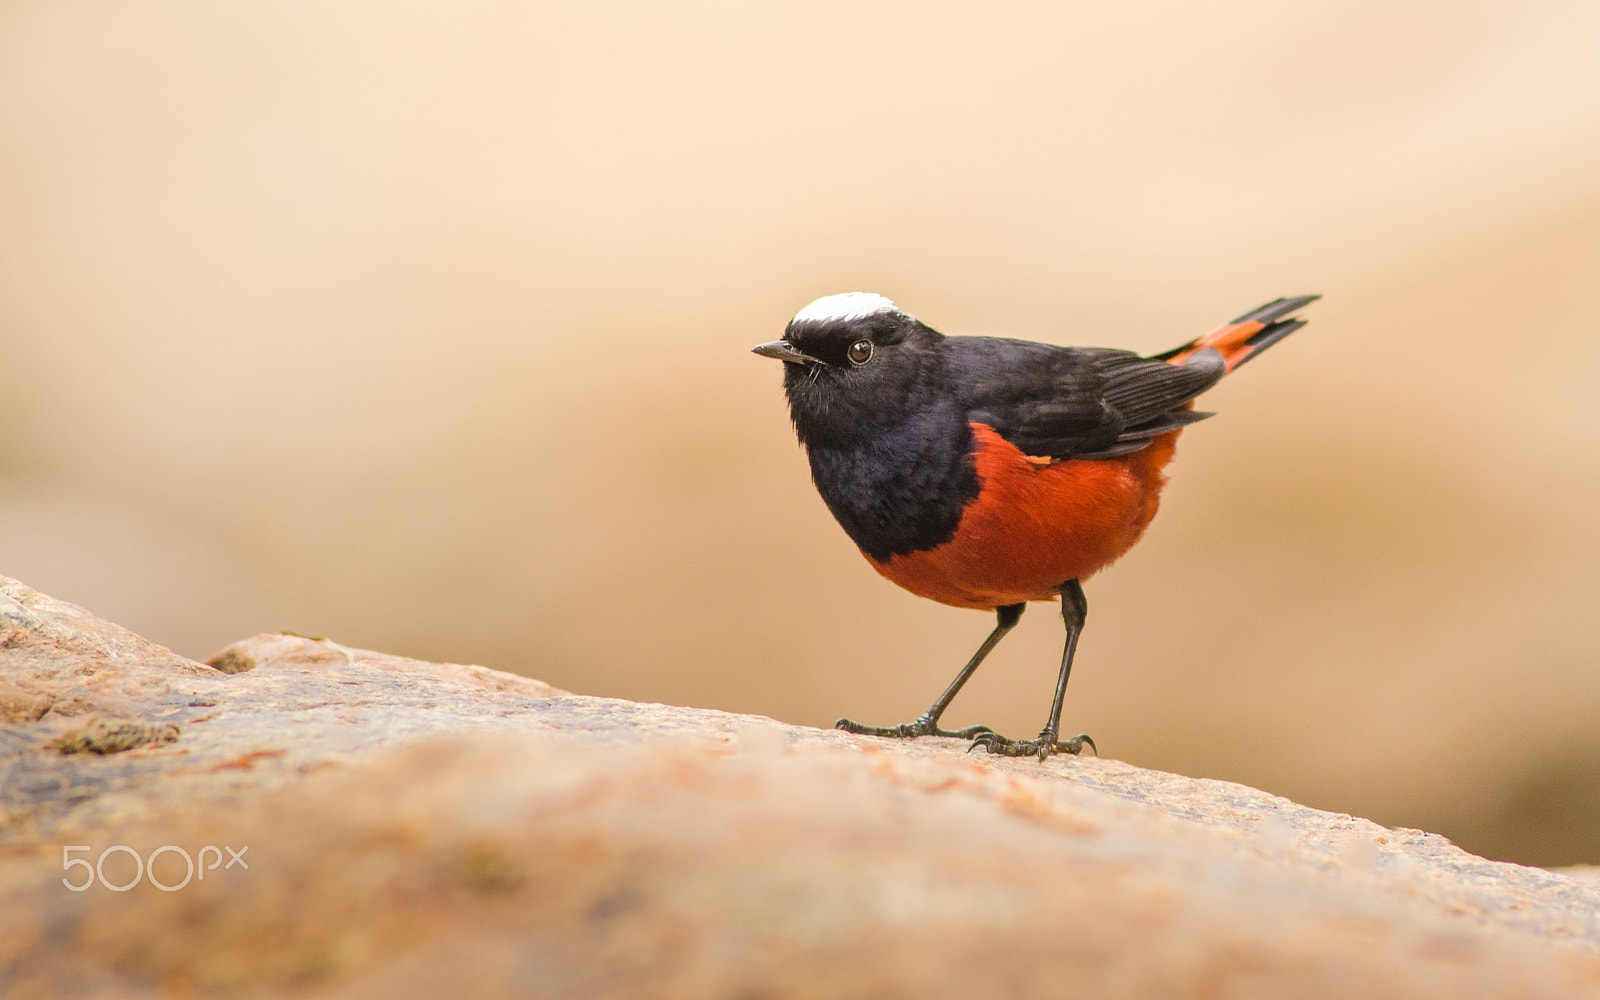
{"points": [[1065, 402]]}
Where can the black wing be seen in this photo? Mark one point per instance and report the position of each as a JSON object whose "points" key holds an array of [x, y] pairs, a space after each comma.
{"points": [[1066, 402]]}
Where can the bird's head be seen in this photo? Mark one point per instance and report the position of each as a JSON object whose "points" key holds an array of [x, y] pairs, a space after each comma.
{"points": [[851, 360]]}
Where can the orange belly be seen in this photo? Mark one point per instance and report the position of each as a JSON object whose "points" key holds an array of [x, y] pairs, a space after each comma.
{"points": [[1035, 524]]}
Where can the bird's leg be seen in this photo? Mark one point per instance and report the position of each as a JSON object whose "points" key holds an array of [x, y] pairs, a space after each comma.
{"points": [[928, 725], [1074, 610]]}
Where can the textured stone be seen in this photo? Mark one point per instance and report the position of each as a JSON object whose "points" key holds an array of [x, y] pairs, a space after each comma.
{"points": [[417, 829]]}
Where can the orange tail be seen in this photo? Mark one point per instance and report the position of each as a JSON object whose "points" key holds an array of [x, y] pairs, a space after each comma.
{"points": [[1248, 335]]}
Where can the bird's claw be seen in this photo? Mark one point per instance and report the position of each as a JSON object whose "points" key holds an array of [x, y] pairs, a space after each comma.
{"points": [[971, 732], [1044, 746], [911, 730]]}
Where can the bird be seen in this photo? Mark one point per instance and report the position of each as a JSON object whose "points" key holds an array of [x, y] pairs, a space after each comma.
{"points": [[985, 472]]}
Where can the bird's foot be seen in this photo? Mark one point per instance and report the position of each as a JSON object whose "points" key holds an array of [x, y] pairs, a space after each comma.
{"points": [[1044, 746], [911, 730]]}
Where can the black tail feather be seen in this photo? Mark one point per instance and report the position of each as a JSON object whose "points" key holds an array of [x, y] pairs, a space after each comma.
{"points": [[1275, 328], [1276, 309], [1273, 333]]}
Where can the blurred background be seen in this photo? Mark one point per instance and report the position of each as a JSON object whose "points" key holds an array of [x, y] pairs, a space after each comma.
{"points": [[425, 326]]}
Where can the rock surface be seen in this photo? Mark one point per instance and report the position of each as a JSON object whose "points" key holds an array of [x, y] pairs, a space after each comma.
{"points": [[419, 829]]}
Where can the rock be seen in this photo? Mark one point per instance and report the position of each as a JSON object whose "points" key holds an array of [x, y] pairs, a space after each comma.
{"points": [[337, 822]]}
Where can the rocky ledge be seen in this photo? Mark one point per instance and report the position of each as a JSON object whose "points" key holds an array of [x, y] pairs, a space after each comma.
{"points": [[298, 817]]}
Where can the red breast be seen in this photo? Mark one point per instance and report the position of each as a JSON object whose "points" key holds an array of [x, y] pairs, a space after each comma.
{"points": [[1035, 524]]}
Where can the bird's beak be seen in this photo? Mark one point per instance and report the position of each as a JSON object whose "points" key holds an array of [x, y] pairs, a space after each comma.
{"points": [[784, 351]]}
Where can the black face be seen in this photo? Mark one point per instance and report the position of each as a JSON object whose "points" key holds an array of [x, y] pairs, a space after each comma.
{"points": [[873, 401], [850, 343], [865, 372]]}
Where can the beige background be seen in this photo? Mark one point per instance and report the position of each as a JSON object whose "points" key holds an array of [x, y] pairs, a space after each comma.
{"points": [[425, 326]]}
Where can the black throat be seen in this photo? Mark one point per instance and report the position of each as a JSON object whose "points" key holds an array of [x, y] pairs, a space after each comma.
{"points": [[889, 444]]}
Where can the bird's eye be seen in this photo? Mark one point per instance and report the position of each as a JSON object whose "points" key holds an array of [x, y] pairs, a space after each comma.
{"points": [[860, 352]]}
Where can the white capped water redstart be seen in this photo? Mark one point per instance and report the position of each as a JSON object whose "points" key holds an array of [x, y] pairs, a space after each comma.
{"points": [[985, 473]]}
